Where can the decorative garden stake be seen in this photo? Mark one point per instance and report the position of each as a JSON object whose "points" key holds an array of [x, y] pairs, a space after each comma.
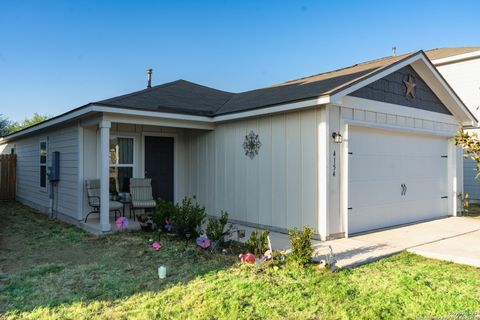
{"points": [[269, 253], [251, 145], [203, 242], [157, 246], [330, 260], [187, 238], [168, 225], [121, 223]]}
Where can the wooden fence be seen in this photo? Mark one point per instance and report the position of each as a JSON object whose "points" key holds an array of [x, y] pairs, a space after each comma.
{"points": [[8, 180]]}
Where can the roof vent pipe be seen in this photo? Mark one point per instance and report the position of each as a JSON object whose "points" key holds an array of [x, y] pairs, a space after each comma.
{"points": [[394, 51], [149, 78]]}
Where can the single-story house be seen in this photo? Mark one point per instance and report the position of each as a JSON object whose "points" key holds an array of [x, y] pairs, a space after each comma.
{"points": [[351, 150], [461, 68]]}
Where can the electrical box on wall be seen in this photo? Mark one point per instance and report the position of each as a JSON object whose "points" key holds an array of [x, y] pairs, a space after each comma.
{"points": [[54, 175]]}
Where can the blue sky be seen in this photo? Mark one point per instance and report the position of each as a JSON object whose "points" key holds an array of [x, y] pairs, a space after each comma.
{"points": [[57, 55]]}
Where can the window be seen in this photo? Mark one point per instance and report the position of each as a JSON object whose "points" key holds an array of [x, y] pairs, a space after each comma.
{"points": [[43, 164], [121, 164]]}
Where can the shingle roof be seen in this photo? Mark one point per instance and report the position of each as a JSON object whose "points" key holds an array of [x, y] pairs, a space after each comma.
{"points": [[178, 96], [186, 97], [305, 88]]}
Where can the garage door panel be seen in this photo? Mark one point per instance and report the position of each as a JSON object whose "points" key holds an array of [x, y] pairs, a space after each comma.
{"points": [[375, 167], [377, 216], [426, 188], [379, 163], [363, 191], [424, 209]]}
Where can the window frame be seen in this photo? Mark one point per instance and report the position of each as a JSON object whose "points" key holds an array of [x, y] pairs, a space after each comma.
{"points": [[40, 164], [134, 156]]}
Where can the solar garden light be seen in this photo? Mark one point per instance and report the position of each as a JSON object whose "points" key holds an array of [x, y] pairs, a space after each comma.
{"points": [[162, 272], [187, 238]]}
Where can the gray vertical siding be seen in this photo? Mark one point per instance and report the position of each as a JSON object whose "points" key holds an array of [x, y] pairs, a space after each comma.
{"points": [[471, 185], [277, 188], [64, 140]]}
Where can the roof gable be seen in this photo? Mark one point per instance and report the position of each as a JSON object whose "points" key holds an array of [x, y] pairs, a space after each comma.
{"points": [[392, 89]]}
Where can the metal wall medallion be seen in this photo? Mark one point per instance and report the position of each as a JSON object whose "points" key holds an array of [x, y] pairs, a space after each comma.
{"points": [[410, 84], [251, 145]]}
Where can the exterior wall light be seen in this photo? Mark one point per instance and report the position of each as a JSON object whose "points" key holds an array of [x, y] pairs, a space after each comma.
{"points": [[337, 137]]}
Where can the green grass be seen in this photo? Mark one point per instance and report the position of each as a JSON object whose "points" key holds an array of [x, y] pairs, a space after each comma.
{"points": [[55, 271]]}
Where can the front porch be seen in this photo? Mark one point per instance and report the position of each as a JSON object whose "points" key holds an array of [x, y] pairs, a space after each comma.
{"points": [[93, 224], [115, 148]]}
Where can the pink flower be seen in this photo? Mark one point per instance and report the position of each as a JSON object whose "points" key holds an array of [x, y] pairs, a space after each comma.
{"points": [[203, 242], [156, 245], [247, 258]]}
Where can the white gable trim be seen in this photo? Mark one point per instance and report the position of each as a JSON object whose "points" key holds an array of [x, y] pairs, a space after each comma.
{"points": [[456, 58], [424, 68], [457, 108], [369, 79]]}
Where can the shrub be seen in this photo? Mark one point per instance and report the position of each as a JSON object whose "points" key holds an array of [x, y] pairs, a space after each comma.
{"points": [[216, 227], [258, 242], [165, 210], [188, 218], [301, 246]]}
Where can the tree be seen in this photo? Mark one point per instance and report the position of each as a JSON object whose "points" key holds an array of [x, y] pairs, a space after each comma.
{"points": [[35, 119], [471, 146], [4, 126]]}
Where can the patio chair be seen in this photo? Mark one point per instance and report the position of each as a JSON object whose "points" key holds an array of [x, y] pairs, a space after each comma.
{"points": [[93, 195], [142, 198]]}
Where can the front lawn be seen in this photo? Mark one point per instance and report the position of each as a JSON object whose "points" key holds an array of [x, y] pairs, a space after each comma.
{"points": [[53, 270]]}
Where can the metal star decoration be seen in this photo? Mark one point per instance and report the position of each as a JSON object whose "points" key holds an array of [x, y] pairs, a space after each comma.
{"points": [[410, 86], [251, 144]]}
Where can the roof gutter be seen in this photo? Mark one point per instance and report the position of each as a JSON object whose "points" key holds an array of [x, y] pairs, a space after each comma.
{"points": [[81, 111], [91, 108], [274, 109]]}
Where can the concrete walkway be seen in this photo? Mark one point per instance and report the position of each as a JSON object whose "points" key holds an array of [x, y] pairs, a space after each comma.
{"points": [[454, 239]]}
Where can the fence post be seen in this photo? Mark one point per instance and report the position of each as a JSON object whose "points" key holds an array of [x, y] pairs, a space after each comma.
{"points": [[8, 177]]}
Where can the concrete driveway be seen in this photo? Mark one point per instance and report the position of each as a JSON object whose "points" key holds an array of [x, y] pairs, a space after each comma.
{"points": [[454, 239]]}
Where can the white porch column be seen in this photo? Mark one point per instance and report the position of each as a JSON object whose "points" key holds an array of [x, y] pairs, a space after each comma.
{"points": [[104, 174], [323, 177]]}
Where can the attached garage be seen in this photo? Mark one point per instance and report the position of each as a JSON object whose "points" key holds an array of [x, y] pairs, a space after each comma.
{"points": [[348, 151], [395, 178]]}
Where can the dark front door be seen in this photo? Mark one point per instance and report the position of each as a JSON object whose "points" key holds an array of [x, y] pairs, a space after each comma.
{"points": [[159, 166]]}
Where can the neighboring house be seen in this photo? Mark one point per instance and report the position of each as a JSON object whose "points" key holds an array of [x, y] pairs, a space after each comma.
{"points": [[461, 68], [346, 151]]}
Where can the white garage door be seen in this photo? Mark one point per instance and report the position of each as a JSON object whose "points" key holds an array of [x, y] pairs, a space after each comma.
{"points": [[395, 178]]}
